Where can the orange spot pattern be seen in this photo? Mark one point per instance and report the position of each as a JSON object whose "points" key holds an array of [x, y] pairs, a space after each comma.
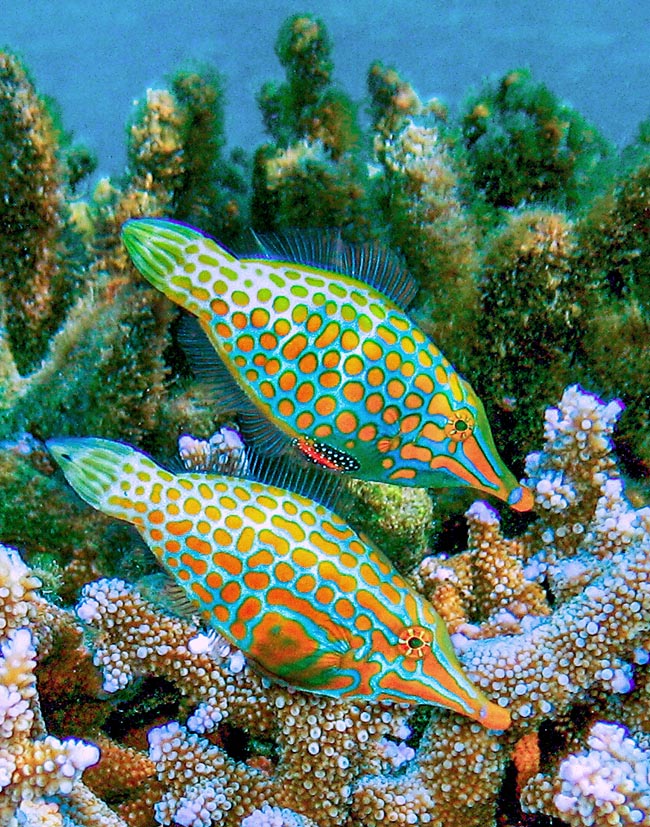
{"points": [[328, 370]]}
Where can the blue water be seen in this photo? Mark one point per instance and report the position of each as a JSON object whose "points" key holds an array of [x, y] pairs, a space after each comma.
{"points": [[97, 57]]}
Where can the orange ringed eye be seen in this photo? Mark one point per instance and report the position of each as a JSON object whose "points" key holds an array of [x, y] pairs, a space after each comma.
{"points": [[414, 641]]}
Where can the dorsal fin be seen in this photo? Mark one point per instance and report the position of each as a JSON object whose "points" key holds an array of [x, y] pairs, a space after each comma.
{"points": [[290, 472], [294, 474], [210, 369], [371, 262], [162, 588]]}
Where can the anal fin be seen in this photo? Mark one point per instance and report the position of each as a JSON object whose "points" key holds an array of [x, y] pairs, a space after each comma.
{"points": [[209, 368]]}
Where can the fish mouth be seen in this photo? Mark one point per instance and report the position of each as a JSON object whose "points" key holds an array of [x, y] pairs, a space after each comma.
{"points": [[493, 716], [521, 498]]}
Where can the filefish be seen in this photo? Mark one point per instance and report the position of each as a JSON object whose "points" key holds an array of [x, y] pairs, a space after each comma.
{"points": [[332, 368], [284, 579]]}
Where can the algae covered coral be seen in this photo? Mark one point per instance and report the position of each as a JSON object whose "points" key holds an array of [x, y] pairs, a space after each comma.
{"points": [[532, 279]]}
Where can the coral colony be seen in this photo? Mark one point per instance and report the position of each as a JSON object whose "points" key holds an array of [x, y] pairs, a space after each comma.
{"points": [[387, 595]]}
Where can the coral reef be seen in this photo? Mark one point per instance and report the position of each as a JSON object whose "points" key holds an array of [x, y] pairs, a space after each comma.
{"points": [[37, 770], [554, 625], [528, 236], [524, 145], [313, 174]]}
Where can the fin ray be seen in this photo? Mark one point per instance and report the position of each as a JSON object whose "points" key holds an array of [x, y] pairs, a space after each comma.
{"points": [[209, 368], [369, 262]]}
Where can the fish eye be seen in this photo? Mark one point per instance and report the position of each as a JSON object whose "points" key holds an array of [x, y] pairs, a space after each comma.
{"points": [[460, 426], [414, 640]]}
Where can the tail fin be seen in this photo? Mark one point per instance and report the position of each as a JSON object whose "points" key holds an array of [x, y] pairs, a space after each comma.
{"points": [[174, 258], [96, 467]]}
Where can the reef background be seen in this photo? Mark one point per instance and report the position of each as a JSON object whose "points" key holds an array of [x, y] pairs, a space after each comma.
{"points": [[592, 54], [528, 234]]}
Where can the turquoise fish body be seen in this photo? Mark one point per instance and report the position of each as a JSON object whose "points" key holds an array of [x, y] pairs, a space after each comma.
{"points": [[334, 364], [284, 579]]}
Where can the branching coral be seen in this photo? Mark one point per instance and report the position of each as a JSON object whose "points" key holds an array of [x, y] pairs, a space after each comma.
{"points": [[34, 277], [525, 145], [243, 747], [36, 769], [313, 175], [607, 784]]}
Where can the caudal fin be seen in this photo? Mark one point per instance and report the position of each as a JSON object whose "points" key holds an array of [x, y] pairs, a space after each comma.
{"points": [[95, 467], [175, 259]]}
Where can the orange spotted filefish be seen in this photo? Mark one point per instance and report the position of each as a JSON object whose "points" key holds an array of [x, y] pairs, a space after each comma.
{"points": [[284, 579], [335, 366]]}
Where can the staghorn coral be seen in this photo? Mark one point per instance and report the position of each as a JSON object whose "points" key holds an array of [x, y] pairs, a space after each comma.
{"points": [[525, 145], [94, 355], [527, 334], [547, 660], [37, 770], [313, 174], [483, 590], [607, 784], [35, 276]]}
